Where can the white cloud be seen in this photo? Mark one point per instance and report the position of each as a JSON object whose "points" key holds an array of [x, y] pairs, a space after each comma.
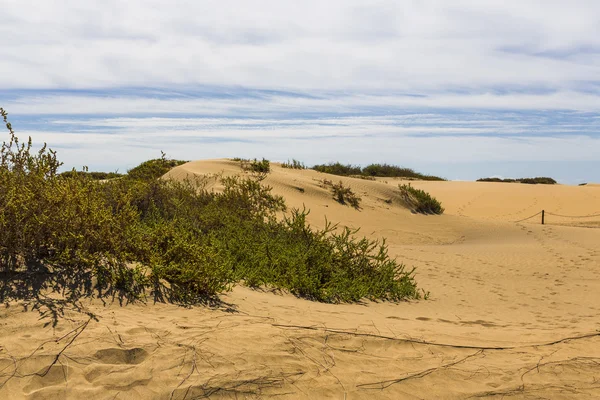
{"points": [[338, 44], [276, 105], [374, 78]]}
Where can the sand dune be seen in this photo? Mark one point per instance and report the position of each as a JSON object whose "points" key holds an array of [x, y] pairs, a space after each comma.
{"points": [[512, 313]]}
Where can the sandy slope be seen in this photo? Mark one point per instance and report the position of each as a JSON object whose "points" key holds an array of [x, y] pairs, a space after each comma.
{"points": [[513, 312]]}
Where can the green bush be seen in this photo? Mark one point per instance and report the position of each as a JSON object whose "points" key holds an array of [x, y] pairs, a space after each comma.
{"points": [[338, 169], [419, 201], [322, 265], [344, 195], [153, 169], [140, 236], [261, 167], [538, 180]]}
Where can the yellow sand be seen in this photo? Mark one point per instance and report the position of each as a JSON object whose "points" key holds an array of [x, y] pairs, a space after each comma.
{"points": [[513, 312]]}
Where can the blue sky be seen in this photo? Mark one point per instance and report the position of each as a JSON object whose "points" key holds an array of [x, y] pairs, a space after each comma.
{"points": [[462, 89]]}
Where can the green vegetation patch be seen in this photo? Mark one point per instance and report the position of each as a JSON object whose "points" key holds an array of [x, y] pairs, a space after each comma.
{"points": [[419, 201], [338, 169], [141, 237], [374, 170], [154, 169], [532, 181], [260, 167], [344, 195]]}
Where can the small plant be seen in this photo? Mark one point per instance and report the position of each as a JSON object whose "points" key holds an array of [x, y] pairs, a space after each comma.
{"points": [[294, 164], [419, 201], [344, 195]]}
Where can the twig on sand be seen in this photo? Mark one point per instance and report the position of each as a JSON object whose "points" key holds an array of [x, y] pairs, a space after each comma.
{"points": [[455, 346], [77, 331], [385, 384]]}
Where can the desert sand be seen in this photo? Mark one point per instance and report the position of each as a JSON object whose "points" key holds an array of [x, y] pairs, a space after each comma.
{"points": [[513, 312]]}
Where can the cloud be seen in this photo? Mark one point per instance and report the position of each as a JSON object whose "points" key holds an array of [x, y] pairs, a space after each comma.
{"points": [[239, 103], [349, 44], [418, 82]]}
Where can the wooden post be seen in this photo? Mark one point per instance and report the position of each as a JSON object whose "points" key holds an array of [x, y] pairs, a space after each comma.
{"points": [[543, 212]]}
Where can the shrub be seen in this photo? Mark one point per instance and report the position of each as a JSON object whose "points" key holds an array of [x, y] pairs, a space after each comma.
{"points": [[419, 201], [154, 169], [141, 236], [538, 180], [260, 167], [59, 232], [294, 164], [344, 195], [338, 169], [322, 265]]}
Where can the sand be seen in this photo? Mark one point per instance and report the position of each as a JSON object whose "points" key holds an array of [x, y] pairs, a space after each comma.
{"points": [[512, 313]]}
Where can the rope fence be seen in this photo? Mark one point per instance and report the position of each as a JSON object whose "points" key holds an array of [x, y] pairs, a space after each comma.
{"points": [[525, 219], [573, 216], [543, 213]]}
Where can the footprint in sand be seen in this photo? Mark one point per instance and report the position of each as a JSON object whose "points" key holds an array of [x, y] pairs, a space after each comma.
{"points": [[121, 356], [55, 375]]}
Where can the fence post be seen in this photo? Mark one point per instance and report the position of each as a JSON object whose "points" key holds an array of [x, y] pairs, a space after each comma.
{"points": [[543, 212]]}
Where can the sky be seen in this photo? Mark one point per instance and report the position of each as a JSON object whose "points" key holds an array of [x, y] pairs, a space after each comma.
{"points": [[461, 89]]}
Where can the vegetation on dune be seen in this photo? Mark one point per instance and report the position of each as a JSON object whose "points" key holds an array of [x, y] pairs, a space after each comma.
{"points": [[262, 167], [140, 236], [419, 201], [344, 195], [338, 169], [533, 181], [374, 170], [154, 169], [294, 164], [390, 171]]}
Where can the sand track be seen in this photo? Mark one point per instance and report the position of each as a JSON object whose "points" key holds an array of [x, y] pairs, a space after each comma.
{"points": [[513, 312]]}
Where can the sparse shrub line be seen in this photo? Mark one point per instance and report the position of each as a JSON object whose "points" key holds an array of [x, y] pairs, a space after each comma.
{"points": [[373, 170], [294, 164], [532, 181]]}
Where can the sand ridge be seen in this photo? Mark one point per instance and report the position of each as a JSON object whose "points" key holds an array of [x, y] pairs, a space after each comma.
{"points": [[513, 311]]}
